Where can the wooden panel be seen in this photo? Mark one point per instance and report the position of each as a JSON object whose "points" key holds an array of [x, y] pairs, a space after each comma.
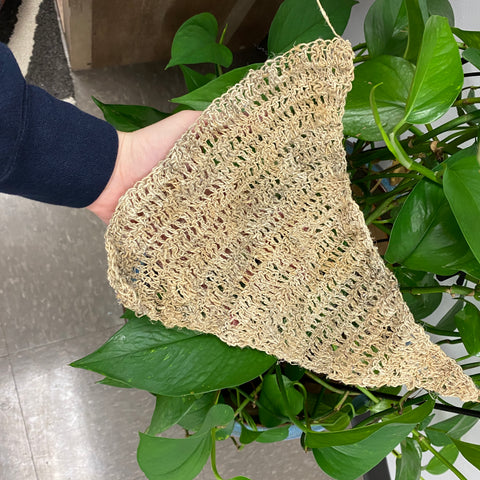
{"points": [[254, 25], [103, 33], [142, 31], [77, 25]]}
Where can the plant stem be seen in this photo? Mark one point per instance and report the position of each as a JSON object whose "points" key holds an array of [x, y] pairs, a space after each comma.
{"points": [[218, 67], [426, 444], [415, 130], [451, 289], [465, 137], [379, 415], [248, 398], [339, 405], [447, 126], [449, 341], [401, 187], [461, 132], [470, 365], [368, 394], [283, 392], [324, 384], [213, 460], [438, 331], [384, 207], [321, 420], [405, 398], [305, 405], [361, 58], [466, 101], [222, 36], [360, 46], [397, 149], [395, 146], [385, 175]]}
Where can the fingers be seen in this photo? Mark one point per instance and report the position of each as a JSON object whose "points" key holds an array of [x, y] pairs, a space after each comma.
{"points": [[161, 136]]}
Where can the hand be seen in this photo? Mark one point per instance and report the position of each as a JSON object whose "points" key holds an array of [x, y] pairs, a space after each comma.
{"points": [[138, 153]]}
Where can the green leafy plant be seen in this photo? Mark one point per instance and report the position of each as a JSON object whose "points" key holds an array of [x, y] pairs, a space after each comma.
{"points": [[418, 185]]}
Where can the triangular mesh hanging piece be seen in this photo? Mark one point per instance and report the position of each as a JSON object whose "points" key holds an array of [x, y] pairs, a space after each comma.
{"points": [[248, 231]]}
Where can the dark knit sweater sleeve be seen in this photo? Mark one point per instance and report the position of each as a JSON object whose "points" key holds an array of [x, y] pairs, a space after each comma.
{"points": [[50, 151]]}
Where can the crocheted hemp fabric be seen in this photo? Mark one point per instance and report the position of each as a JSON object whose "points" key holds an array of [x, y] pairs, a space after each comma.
{"points": [[248, 231]]}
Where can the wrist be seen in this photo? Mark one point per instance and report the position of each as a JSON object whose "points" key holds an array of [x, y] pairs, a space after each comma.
{"points": [[104, 205]]}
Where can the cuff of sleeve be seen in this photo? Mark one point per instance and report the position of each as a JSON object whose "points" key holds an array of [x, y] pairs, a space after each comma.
{"points": [[64, 157]]}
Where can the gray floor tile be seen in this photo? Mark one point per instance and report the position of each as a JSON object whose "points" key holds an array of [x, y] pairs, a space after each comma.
{"points": [[279, 461], [15, 456], [144, 84], [54, 283], [78, 430]]}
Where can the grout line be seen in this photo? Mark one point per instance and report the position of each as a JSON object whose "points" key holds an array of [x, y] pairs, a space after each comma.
{"points": [[23, 418], [21, 41], [53, 342]]}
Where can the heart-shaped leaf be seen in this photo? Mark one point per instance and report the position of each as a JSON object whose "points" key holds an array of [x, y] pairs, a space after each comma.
{"points": [[269, 435], [300, 21], [442, 8], [409, 465], [113, 383], [385, 28], [181, 458], [472, 55], [193, 419], [395, 76], [195, 42], [461, 183], [421, 306], [168, 412], [439, 75], [436, 466], [193, 79], [416, 27], [470, 38], [271, 407], [470, 451], [426, 236], [441, 433], [447, 322], [468, 323], [201, 98], [128, 118], [355, 435], [173, 458], [349, 454], [173, 362]]}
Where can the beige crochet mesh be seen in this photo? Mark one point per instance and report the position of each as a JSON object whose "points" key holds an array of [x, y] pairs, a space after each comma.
{"points": [[248, 231]]}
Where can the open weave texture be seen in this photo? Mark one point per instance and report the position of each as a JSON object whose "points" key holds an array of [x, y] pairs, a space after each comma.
{"points": [[248, 231]]}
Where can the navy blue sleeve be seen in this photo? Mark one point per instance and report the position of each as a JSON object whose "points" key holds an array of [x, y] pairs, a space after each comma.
{"points": [[50, 151]]}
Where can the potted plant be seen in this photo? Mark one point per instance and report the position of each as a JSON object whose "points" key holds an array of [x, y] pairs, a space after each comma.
{"points": [[418, 186]]}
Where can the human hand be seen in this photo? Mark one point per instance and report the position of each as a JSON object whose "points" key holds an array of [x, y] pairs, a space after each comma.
{"points": [[138, 153]]}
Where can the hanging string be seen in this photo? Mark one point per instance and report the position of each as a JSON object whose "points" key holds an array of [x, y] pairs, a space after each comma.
{"points": [[325, 16]]}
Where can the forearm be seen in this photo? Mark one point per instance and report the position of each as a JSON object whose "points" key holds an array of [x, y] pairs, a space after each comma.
{"points": [[50, 151]]}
